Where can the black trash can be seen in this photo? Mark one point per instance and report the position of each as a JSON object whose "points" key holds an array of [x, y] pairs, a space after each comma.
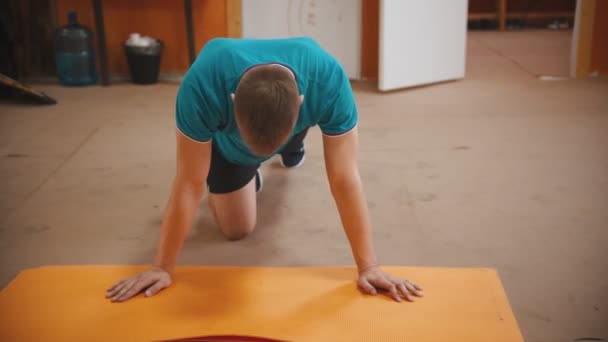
{"points": [[144, 62]]}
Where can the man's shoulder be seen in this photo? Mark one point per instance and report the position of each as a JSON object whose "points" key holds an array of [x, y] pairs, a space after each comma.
{"points": [[216, 46], [211, 58]]}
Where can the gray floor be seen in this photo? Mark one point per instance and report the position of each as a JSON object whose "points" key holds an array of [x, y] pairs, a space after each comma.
{"points": [[498, 170]]}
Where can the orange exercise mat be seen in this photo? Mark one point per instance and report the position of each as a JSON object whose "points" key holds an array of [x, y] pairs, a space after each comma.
{"points": [[67, 303]]}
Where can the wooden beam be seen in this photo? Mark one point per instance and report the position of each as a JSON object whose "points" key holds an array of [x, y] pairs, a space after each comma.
{"points": [[540, 15], [234, 18], [482, 16], [599, 43], [370, 35], [101, 42], [580, 64], [522, 15], [502, 15], [190, 31]]}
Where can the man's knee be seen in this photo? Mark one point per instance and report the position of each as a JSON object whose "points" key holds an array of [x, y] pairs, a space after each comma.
{"points": [[239, 231]]}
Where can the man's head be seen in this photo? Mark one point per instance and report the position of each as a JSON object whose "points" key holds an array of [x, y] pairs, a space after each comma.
{"points": [[266, 106]]}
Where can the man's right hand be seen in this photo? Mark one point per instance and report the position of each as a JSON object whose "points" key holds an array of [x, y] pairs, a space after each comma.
{"points": [[152, 281], [193, 160]]}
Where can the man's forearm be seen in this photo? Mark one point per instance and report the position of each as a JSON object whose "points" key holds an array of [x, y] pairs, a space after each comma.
{"points": [[178, 218], [350, 200]]}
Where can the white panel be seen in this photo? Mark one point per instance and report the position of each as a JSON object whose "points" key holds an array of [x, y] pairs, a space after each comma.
{"points": [[421, 42], [335, 24]]}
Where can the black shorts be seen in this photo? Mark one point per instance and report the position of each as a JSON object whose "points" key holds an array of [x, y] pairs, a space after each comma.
{"points": [[225, 176]]}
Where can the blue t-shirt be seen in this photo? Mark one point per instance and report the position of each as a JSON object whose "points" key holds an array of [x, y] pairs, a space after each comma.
{"points": [[204, 108]]}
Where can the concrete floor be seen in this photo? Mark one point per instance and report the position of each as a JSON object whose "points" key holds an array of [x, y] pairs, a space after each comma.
{"points": [[498, 170]]}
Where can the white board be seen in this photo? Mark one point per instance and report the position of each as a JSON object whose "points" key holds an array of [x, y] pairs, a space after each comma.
{"points": [[335, 24], [421, 42]]}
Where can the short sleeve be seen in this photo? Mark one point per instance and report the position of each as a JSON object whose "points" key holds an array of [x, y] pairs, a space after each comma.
{"points": [[196, 116], [341, 114]]}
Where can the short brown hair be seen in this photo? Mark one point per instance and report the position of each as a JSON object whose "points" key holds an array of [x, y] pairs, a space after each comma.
{"points": [[266, 106]]}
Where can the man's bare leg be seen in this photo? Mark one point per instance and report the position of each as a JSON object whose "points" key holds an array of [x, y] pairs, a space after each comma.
{"points": [[235, 212]]}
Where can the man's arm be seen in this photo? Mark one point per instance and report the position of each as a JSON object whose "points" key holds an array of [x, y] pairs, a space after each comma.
{"points": [[193, 159], [340, 154]]}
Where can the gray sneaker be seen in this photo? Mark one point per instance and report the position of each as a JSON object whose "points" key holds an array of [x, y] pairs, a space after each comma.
{"points": [[293, 159]]}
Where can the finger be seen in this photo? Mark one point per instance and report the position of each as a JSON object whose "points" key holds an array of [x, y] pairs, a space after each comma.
{"points": [[394, 293], [412, 288], [366, 287], [135, 289], [417, 287], [116, 289], [126, 287], [111, 288], [156, 288], [403, 289], [387, 285]]}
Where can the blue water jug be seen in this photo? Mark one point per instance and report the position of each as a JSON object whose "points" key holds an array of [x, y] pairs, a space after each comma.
{"points": [[75, 54]]}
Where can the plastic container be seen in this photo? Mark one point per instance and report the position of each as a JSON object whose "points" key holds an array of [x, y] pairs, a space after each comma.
{"points": [[144, 62], [74, 53]]}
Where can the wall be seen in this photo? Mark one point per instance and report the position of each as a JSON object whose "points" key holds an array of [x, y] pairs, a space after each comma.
{"points": [[336, 25], [161, 19], [599, 43]]}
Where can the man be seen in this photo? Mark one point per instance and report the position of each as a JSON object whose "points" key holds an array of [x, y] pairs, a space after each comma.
{"points": [[241, 102]]}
